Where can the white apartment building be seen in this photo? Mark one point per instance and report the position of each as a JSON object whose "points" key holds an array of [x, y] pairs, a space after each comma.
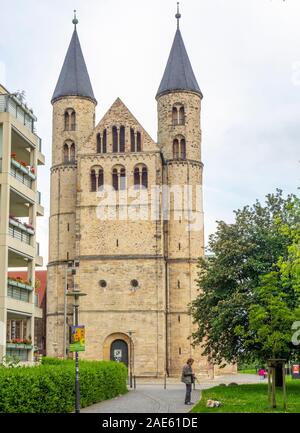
{"points": [[20, 204]]}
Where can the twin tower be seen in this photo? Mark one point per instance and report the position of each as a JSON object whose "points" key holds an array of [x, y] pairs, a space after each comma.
{"points": [[130, 211]]}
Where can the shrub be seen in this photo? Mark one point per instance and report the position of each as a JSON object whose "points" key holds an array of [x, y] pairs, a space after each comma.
{"points": [[50, 387]]}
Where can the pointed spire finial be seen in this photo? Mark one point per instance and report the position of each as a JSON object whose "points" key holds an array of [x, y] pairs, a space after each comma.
{"points": [[178, 15], [75, 20]]}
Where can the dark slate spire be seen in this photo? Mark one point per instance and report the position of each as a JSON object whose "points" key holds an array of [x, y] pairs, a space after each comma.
{"points": [[178, 74], [74, 79]]}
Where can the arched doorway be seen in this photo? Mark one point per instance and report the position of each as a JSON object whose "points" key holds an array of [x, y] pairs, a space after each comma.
{"points": [[119, 351]]}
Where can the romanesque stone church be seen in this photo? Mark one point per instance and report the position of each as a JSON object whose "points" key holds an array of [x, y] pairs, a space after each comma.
{"points": [[138, 274]]}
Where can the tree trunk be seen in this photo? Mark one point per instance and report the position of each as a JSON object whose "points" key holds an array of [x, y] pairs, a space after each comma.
{"points": [[278, 376]]}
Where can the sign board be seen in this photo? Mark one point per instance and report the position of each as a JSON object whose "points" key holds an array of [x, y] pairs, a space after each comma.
{"points": [[77, 338], [296, 371]]}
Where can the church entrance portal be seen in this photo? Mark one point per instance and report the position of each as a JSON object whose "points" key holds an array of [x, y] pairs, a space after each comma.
{"points": [[119, 351]]}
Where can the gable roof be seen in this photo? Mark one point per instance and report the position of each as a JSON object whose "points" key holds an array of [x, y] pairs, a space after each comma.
{"points": [[178, 73], [74, 79]]}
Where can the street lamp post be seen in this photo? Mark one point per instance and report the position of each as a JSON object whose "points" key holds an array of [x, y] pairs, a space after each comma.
{"points": [[76, 294]]}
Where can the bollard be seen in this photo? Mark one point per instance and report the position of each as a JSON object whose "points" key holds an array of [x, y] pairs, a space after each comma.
{"points": [[165, 381], [134, 382]]}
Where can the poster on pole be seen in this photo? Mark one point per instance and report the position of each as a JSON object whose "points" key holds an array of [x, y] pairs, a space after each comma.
{"points": [[77, 338]]}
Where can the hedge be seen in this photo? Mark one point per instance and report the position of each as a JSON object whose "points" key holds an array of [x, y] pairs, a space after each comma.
{"points": [[50, 387]]}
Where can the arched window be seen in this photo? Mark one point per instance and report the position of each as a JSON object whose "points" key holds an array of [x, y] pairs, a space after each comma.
{"points": [[140, 177], [66, 152], [174, 116], [138, 142], [104, 141], [72, 152], [99, 143], [178, 117], [181, 116], [119, 178], [122, 139], [115, 179], [115, 138], [100, 179], [93, 181], [123, 179], [97, 179], [145, 177], [70, 120], [175, 149], [73, 120], [132, 140], [182, 149], [66, 116]]}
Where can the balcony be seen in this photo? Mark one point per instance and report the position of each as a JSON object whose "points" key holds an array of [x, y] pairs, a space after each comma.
{"points": [[19, 230], [9, 103], [21, 173]]}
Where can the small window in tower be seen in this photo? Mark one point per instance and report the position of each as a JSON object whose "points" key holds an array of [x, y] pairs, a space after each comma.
{"points": [[66, 118], [68, 227], [117, 243], [67, 255], [102, 283], [175, 149], [178, 284], [179, 246], [134, 283], [122, 139], [179, 350], [181, 119], [115, 138], [72, 153], [182, 149], [73, 121], [179, 319], [66, 153], [174, 116], [93, 181]]}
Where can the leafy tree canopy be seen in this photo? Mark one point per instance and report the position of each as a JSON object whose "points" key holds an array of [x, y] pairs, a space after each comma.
{"points": [[249, 284]]}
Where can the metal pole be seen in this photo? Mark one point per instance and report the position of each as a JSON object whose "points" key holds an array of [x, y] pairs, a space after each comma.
{"points": [[134, 382], [284, 387], [165, 381], [65, 313], [130, 364], [77, 387]]}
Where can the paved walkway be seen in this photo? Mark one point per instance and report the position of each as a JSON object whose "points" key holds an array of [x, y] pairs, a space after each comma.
{"points": [[153, 398]]}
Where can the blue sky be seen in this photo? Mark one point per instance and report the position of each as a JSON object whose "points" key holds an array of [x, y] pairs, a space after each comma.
{"points": [[245, 55]]}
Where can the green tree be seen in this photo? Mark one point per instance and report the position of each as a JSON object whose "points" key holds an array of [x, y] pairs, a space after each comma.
{"points": [[248, 296]]}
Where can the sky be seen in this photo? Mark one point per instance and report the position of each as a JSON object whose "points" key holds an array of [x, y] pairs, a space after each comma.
{"points": [[244, 53]]}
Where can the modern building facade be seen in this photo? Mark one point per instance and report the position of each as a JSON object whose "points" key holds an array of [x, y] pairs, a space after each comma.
{"points": [[137, 249], [20, 205]]}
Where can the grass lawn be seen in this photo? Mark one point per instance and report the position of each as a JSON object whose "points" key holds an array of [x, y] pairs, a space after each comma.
{"points": [[249, 398], [247, 371]]}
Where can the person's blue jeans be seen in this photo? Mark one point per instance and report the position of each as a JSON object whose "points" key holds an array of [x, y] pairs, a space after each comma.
{"points": [[188, 392]]}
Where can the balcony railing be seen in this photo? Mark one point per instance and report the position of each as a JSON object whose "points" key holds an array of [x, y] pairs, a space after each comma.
{"points": [[17, 233], [21, 173], [11, 104], [18, 289]]}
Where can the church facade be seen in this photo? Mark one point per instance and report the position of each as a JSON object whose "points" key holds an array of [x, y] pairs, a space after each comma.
{"points": [[129, 210]]}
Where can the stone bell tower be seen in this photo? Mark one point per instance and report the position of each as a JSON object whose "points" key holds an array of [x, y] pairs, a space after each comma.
{"points": [[73, 121], [179, 138]]}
